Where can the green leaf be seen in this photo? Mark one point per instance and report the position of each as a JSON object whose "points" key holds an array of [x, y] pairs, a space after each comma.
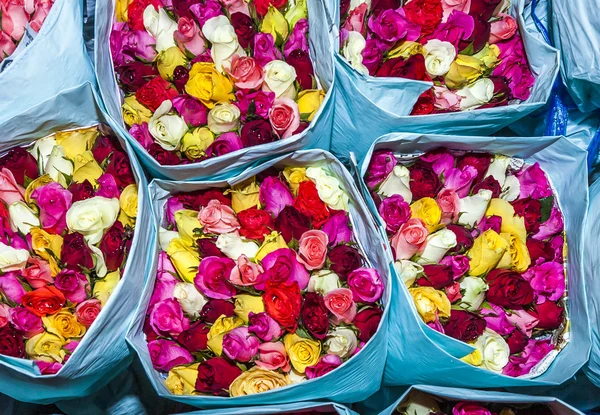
{"points": [[547, 204]]}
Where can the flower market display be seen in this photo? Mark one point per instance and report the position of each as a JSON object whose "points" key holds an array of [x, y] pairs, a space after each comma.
{"points": [[207, 78], [68, 206], [470, 49], [260, 285], [479, 241]]}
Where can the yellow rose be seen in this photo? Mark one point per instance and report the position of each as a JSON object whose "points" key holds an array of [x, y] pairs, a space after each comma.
{"points": [[295, 176], [209, 85], [76, 141], [486, 252], [309, 102], [257, 380], [134, 112], [86, 168], [244, 195], [104, 288], [39, 182], [297, 12], [475, 358], [428, 211], [274, 23], [182, 379], [220, 328], [128, 201], [488, 55], [195, 143], [246, 303], [64, 324], [430, 303], [302, 352], [47, 347], [47, 246], [516, 256], [187, 221], [121, 10], [168, 60], [463, 71], [272, 242], [185, 258], [406, 49], [510, 223]]}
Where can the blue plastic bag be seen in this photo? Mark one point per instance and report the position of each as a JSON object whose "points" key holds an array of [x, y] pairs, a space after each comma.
{"points": [[102, 353], [54, 61], [353, 381], [296, 408], [419, 354], [317, 135], [368, 107]]}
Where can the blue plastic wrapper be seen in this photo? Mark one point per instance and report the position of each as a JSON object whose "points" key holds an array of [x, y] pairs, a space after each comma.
{"points": [[292, 408]]}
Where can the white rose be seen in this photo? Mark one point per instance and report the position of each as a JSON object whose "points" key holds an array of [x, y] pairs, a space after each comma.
{"points": [[161, 27], [397, 183], [294, 377], [323, 281], [341, 341], [189, 298], [165, 237], [511, 189], [436, 246], [494, 350], [167, 129], [498, 168], [419, 403], [439, 55], [474, 292], [91, 217], [41, 151], [58, 165], [223, 117], [355, 3], [22, 217], [99, 263], [329, 188], [279, 78], [472, 208], [408, 271], [232, 245], [352, 51], [12, 259], [475, 95], [221, 34]]}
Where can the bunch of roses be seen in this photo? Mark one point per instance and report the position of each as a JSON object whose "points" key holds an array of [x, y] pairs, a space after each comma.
{"points": [[478, 239], [68, 206], [470, 49], [203, 78], [259, 286], [15, 15]]}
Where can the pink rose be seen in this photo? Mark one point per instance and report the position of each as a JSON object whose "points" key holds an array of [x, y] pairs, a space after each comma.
{"points": [[502, 29], [141, 134], [449, 203], [445, 100], [453, 292], [394, 211], [469, 408], [212, 278], [534, 182], [246, 273], [11, 287], [264, 326], [188, 36], [355, 22], [441, 160], [281, 267], [218, 218], [236, 6], [521, 364], [341, 304], [409, 239], [337, 229], [10, 191], [165, 280], [313, 249], [298, 39], [107, 187], [240, 345], [48, 368], [74, 285], [53, 201], [167, 317], [70, 348], [366, 285], [14, 18], [554, 225], [42, 8], [166, 354], [25, 322], [272, 356], [460, 180], [7, 46], [5, 314], [523, 320], [87, 311], [497, 320], [448, 6], [459, 264], [547, 280], [326, 364], [274, 195], [284, 117], [246, 72], [38, 273]]}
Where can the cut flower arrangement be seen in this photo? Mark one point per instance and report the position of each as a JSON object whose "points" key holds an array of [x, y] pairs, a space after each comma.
{"points": [[260, 285], [479, 241]]}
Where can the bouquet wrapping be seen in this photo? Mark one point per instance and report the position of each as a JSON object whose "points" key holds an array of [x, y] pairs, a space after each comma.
{"points": [[310, 408], [229, 340], [449, 356], [238, 123], [387, 102], [66, 306]]}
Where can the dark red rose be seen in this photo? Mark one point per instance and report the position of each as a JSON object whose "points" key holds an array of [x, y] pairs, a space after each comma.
{"points": [[215, 375], [282, 303], [367, 322], [479, 37], [314, 315], [508, 289], [244, 29], [301, 62], [21, 164], [194, 338], [255, 223], [310, 204], [291, 223], [180, 77], [549, 314], [303, 126], [424, 104], [344, 259], [81, 191], [376, 198], [11, 342], [104, 147], [483, 8], [464, 326], [464, 239], [120, 168], [530, 210], [114, 245], [154, 92], [197, 199], [215, 309], [262, 6], [76, 252], [345, 7], [377, 5], [502, 92], [540, 250], [164, 157], [134, 75], [489, 183], [151, 335], [425, 13], [208, 247], [411, 68], [257, 132], [437, 276], [135, 12], [424, 182], [480, 161], [517, 341], [182, 8]]}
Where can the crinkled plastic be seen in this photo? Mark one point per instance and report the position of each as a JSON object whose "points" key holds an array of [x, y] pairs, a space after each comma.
{"points": [[295, 408], [317, 135], [103, 352], [368, 107], [54, 61], [419, 354], [353, 381]]}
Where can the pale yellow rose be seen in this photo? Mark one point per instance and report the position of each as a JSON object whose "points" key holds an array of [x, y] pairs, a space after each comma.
{"points": [[428, 211], [510, 223], [274, 23], [104, 288], [47, 347], [430, 303], [272, 242], [194, 143], [244, 195], [187, 221], [185, 258], [487, 250], [47, 246], [516, 256], [406, 49], [489, 55], [39, 182], [182, 380], [246, 304], [134, 112], [302, 352], [220, 328], [86, 168], [257, 380], [294, 176], [77, 141], [64, 324]]}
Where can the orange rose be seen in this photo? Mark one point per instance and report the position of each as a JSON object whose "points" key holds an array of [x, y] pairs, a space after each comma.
{"points": [[44, 301]]}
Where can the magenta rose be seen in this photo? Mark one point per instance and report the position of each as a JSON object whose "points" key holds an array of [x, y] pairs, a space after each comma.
{"points": [[49, 368], [459, 26], [459, 264], [366, 285], [205, 10], [441, 160], [53, 201], [212, 278], [554, 225], [26, 322], [263, 326], [497, 320], [391, 25], [281, 267], [167, 317], [337, 229], [395, 212], [255, 104], [74, 285], [224, 144], [11, 287], [165, 280], [107, 187], [372, 55], [326, 364], [274, 195], [532, 354], [469, 408], [490, 222], [239, 345], [191, 110], [547, 280], [533, 182], [87, 311], [381, 165], [166, 354], [265, 50], [460, 180], [298, 39]]}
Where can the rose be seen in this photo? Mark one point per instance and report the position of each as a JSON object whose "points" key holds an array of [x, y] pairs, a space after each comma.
{"points": [[272, 356], [392, 25], [11, 287], [397, 183], [424, 182], [81, 191], [291, 223], [282, 303], [87, 311], [464, 326], [340, 303], [201, 198], [509, 289], [408, 271], [279, 78], [352, 51], [314, 315], [195, 337], [366, 285], [310, 204], [22, 218], [64, 324], [552, 226], [480, 161], [245, 72], [239, 345], [75, 252], [327, 363], [486, 252], [436, 246], [469, 408], [218, 218], [355, 21], [411, 68], [191, 109], [430, 303], [517, 341], [166, 317], [484, 8], [262, 6], [534, 182], [256, 380], [11, 342], [223, 117], [208, 85], [188, 297], [533, 353], [92, 216], [113, 245], [489, 183], [344, 259], [449, 203], [10, 190], [395, 212], [298, 38], [549, 315], [272, 243], [135, 11], [134, 75], [494, 351], [244, 29], [120, 168], [302, 352], [323, 281], [21, 164], [43, 301], [212, 278], [337, 229], [154, 92], [284, 117], [473, 208], [283, 266], [540, 251], [213, 309], [274, 195], [437, 276], [246, 273], [215, 376], [166, 354], [73, 285], [547, 280], [409, 239], [530, 210], [342, 342], [265, 50], [425, 13], [381, 165], [263, 326], [261, 105], [38, 274], [367, 322], [312, 250], [205, 10], [257, 132], [300, 61], [255, 223], [329, 188]]}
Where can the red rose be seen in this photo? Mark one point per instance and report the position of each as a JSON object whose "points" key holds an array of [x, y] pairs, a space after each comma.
{"points": [[154, 92], [464, 326], [301, 62], [104, 147], [309, 203], [411, 68], [489, 183], [262, 6], [151, 335], [549, 314], [255, 223], [81, 191], [464, 239], [314, 315], [540, 250], [135, 12], [291, 223], [21, 164], [162, 156], [424, 182], [44, 301], [425, 13], [344, 259], [257, 132], [483, 8], [215, 375], [479, 37], [244, 29], [424, 104], [134, 75], [282, 303], [120, 168], [480, 161], [194, 338], [207, 247], [199, 198], [76, 253], [508, 289], [11, 342], [436, 276], [113, 246], [517, 341], [530, 210], [367, 322], [215, 309]]}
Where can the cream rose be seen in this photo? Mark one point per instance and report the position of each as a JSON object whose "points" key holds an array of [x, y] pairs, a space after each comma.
{"points": [[352, 51], [323, 281], [221, 34], [511, 189], [223, 117], [419, 404], [232, 245], [472, 208], [329, 188], [474, 292], [494, 350], [341, 341], [58, 165], [22, 218], [189, 298], [408, 271], [498, 168], [12, 259], [167, 129], [99, 263], [295, 377], [397, 183], [436, 246], [41, 151], [477, 94], [161, 27], [279, 79], [165, 237], [91, 217], [438, 56]]}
